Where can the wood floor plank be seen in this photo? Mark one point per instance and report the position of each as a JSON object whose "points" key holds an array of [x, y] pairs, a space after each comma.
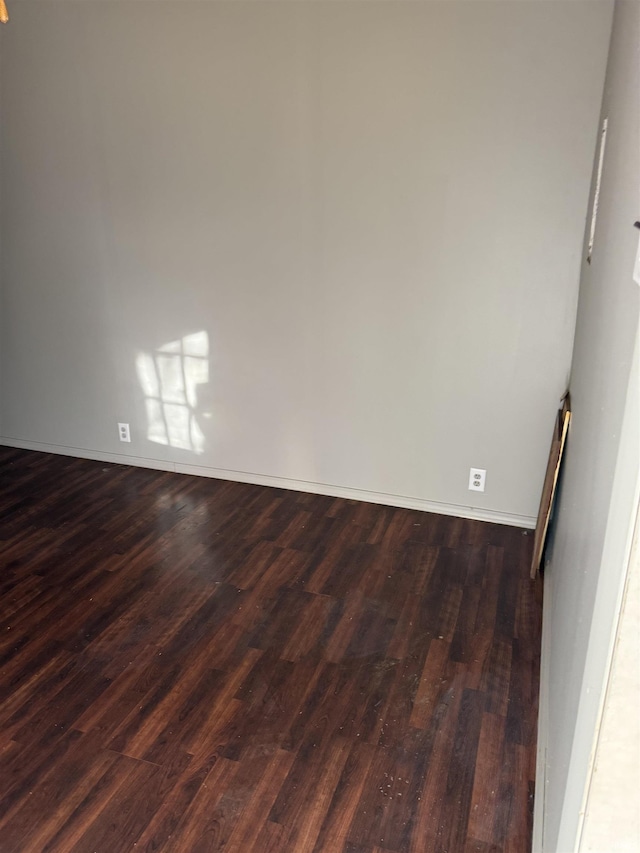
{"points": [[190, 665], [203, 824], [303, 806], [454, 815], [256, 812], [345, 798], [97, 794], [170, 815], [428, 823], [58, 797], [434, 683], [486, 782]]}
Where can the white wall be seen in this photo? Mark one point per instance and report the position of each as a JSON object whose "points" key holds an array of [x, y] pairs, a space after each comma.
{"points": [[586, 573], [612, 814], [362, 220]]}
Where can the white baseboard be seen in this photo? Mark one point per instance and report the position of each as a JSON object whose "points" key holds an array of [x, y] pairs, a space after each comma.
{"points": [[361, 495], [405, 502], [84, 453]]}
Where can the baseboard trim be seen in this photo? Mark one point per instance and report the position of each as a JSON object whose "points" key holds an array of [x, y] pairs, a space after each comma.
{"points": [[384, 498], [349, 493], [85, 453]]}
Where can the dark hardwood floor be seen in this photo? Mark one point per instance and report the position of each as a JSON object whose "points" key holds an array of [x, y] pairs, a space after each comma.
{"points": [[196, 665]]}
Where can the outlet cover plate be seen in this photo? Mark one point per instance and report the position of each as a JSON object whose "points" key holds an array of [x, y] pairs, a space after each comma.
{"points": [[477, 478]]}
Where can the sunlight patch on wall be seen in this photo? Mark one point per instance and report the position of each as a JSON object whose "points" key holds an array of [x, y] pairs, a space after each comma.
{"points": [[170, 376]]}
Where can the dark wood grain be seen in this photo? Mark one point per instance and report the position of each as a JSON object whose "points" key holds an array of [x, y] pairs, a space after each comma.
{"points": [[192, 665]]}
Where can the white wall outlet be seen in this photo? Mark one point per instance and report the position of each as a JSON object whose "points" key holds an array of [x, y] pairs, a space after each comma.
{"points": [[123, 432], [477, 476]]}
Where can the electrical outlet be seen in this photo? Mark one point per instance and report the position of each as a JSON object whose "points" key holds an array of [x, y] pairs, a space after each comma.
{"points": [[123, 432], [477, 477]]}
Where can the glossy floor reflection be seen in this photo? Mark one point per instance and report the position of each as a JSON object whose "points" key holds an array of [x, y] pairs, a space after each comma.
{"points": [[198, 665]]}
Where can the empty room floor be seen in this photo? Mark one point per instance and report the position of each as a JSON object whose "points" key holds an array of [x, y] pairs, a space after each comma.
{"points": [[198, 665]]}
